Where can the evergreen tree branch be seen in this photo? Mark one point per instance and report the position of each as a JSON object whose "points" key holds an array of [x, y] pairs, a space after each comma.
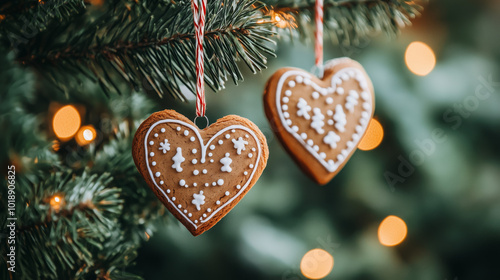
{"points": [[155, 48], [348, 22]]}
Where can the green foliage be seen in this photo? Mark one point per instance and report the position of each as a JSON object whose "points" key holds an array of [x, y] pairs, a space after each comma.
{"points": [[349, 22]]}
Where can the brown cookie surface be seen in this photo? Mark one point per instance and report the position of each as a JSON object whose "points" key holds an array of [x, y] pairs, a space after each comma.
{"points": [[199, 175], [320, 121]]}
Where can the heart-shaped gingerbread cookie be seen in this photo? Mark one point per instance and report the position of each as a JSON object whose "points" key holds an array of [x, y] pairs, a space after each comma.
{"points": [[199, 175], [320, 121]]}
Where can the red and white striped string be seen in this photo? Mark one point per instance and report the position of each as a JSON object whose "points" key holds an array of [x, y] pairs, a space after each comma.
{"points": [[199, 8], [318, 35]]}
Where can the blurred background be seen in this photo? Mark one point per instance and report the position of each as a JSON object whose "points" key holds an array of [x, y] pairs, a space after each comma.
{"points": [[419, 200], [437, 169]]}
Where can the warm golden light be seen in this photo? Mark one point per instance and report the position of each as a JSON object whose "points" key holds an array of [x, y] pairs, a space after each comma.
{"points": [[85, 135], [392, 231], [420, 58], [373, 136], [56, 202], [66, 122], [316, 264]]}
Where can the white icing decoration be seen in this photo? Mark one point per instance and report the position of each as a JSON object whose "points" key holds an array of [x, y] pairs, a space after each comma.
{"points": [[253, 149], [204, 147], [211, 160], [250, 155], [151, 154], [190, 215], [285, 107], [316, 148], [317, 121], [194, 161], [168, 190], [192, 139], [286, 114], [329, 100], [198, 199], [204, 215], [186, 132], [303, 109], [351, 100], [212, 147], [164, 146], [195, 184], [178, 159], [340, 118], [194, 151], [196, 172], [233, 131], [156, 135], [239, 145], [226, 161], [207, 184], [334, 88], [322, 155], [289, 122], [151, 143], [220, 182], [227, 193], [250, 166], [299, 79], [331, 139], [209, 210], [162, 129], [153, 163], [245, 173], [178, 128], [179, 206], [214, 184], [310, 142], [218, 202], [291, 84], [210, 154], [161, 182], [285, 99], [228, 136], [238, 187], [185, 211], [157, 174], [182, 182], [315, 95], [220, 142]]}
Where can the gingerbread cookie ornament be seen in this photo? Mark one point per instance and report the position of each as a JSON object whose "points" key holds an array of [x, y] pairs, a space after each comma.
{"points": [[199, 174], [320, 120]]}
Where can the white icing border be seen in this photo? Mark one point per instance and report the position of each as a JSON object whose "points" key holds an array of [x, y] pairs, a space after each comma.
{"points": [[203, 153], [330, 91]]}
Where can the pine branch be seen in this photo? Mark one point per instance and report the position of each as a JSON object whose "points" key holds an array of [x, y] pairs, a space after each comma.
{"points": [[22, 20], [348, 22], [154, 48]]}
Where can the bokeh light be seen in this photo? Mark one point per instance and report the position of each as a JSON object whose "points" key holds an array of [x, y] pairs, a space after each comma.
{"points": [[373, 136], [420, 58], [56, 202], [85, 135], [66, 122], [316, 264], [392, 231]]}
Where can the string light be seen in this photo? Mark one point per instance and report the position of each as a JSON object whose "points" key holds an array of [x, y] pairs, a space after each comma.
{"points": [[282, 19], [66, 122], [85, 135], [420, 58], [392, 231], [56, 202], [316, 264], [373, 136]]}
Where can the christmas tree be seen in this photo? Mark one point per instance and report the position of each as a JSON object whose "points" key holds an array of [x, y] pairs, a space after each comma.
{"points": [[78, 77]]}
